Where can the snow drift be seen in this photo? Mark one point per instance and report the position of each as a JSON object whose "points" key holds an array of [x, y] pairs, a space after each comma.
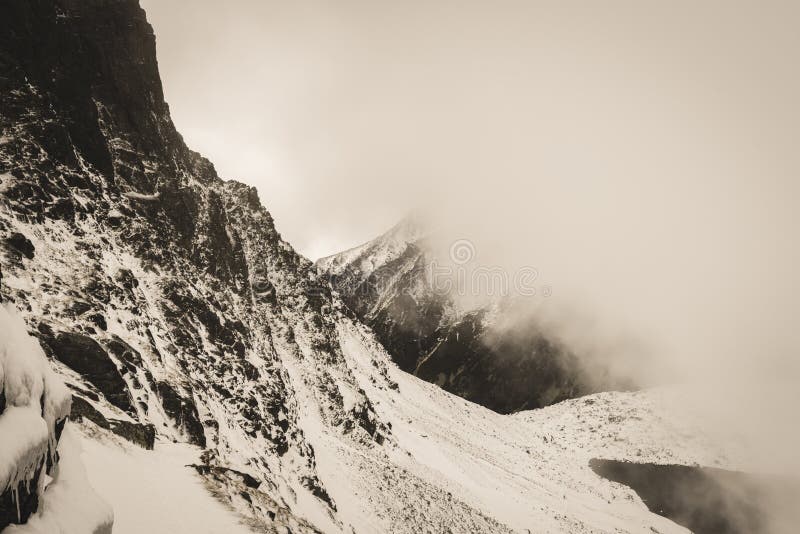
{"points": [[34, 405]]}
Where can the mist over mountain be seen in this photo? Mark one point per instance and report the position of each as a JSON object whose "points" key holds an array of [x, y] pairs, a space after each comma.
{"points": [[469, 332]]}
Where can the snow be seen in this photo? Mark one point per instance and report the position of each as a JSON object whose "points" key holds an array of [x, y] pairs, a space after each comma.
{"points": [[23, 443], [526, 471], [27, 427], [376, 252], [446, 463], [141, 196], [154, 491], [229, 233], [69, 505], [5, 181]]}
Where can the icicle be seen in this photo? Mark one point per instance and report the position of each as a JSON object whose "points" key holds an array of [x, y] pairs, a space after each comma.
{"points": [[15, 498]]}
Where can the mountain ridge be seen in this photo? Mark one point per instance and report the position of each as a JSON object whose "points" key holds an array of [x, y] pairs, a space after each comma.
{"points": [[431, 333]]}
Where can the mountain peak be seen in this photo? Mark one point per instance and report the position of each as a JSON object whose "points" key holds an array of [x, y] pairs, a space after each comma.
{"points": [[383, 249]]}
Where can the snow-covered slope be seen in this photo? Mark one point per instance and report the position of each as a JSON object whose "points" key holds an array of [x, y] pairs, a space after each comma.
{"points": [[181, 321], [526, 471], [176, 498], [361, 261]]}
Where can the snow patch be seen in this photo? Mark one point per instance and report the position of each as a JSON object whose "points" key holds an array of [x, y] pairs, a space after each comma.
{"points": [[155, 491], [5, 181], [69, 505], [141, 196]]}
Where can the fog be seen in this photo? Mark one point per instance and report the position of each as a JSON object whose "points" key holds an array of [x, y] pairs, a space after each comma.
{"points": [[642, 157]]}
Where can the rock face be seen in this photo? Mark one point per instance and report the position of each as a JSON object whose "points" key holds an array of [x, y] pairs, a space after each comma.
{"points": [[386, 283], [84, 355], [143, 435], [21, 244], [183, 411]]}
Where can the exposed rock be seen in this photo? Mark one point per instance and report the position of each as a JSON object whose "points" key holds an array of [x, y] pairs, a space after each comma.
{"points": [[79, 307], [248, 480], [21, 244], [87, 357], [522, 370], [99, 320], [82, 409], [63, 208], [183, 411], [143, 435], [319, 492], [126, 354]]}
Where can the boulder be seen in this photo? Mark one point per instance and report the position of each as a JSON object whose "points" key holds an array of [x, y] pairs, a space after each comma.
{"points": [[85, 356], [21, 244], [139, 434], [142, 435]]}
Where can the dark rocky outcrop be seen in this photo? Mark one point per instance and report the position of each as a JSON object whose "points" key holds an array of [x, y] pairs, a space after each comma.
{"points": [[248, 480], [507, 373], [183, 411], [21, 244], [83, 410], [709, 500], [143, 435], [79, 49], [84, 355]]}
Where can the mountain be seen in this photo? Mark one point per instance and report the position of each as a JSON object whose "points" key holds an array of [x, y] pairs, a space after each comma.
{"points": [[212, 374], [474, 352]]}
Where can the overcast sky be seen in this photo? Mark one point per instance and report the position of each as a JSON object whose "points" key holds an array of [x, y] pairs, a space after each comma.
{"points": [[347, 114]]}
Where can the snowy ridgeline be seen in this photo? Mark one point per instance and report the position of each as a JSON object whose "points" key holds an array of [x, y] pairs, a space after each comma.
{"points": [[41, 475]]}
